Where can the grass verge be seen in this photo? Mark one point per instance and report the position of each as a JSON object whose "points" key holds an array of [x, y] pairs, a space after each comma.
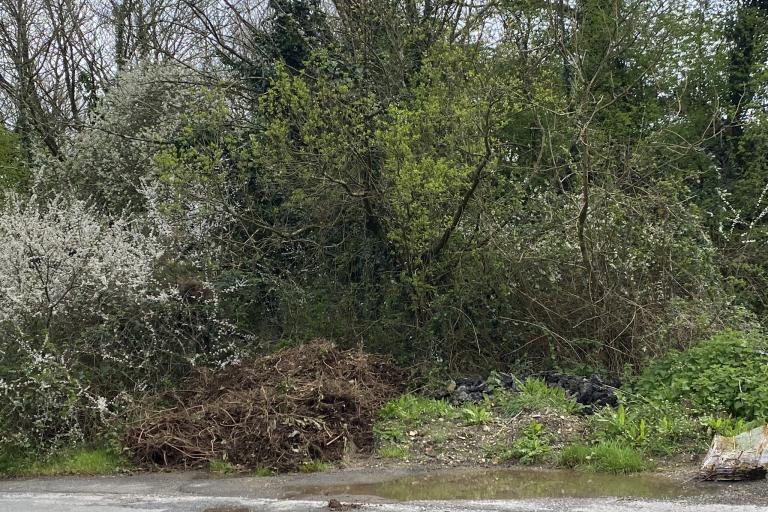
{"points": [[394, 452], [608, 457], [70, 461]]}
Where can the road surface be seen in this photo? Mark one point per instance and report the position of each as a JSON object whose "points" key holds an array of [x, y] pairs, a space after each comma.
{"points": [[198, 492]]}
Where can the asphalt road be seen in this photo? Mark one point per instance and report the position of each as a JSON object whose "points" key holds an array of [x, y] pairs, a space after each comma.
{"points": [[191, 492]]}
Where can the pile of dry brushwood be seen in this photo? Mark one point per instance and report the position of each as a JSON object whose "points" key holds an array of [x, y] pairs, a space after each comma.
{"points": [[306, 403]]}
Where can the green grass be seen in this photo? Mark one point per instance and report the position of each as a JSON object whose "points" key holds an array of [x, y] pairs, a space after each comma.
{"points": [[389, 432], [438, 438], [221, 467], [500, 452], [414, 409], [394, 451], [263, 471], [314, 466], [608, 457], [71, 461], [536, 396]]}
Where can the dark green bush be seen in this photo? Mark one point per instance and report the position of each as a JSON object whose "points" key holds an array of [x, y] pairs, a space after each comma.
{"points": [[726, 374]]}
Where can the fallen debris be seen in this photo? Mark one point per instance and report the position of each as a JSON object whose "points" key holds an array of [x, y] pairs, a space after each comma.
{"points": [[335, 504], [592, 392], [308, 403], [741, 457]]}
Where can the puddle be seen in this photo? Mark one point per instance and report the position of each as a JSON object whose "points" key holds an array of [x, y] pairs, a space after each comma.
{"points": [[513, 484]]}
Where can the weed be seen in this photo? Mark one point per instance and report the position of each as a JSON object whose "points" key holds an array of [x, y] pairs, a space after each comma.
{"points": [[661, 428], [475, 414], [389, 433], [729, 426], [394, 451], [413, 409], [724, 374], [575, 455], [221, 466], [617, 424], [438, 438], [535, 396], [532, 447], [500, 452], [608, 456], [263, 471], [313, 466]]}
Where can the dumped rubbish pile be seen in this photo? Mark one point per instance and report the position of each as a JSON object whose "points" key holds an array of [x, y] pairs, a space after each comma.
{"points": [[592, 392], [306, 403], [741, 457]]}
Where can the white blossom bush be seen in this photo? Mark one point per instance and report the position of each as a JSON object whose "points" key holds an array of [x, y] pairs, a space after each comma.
{"points": [[61, 258], [113, 154], [63, 268]]}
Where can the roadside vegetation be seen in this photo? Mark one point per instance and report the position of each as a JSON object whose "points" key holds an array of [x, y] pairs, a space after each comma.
{"points": [[673, 407], [270, 234], [69, 461]]}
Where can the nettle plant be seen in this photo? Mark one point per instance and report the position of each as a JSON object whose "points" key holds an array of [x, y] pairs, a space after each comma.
{"points": [[63, 267]]}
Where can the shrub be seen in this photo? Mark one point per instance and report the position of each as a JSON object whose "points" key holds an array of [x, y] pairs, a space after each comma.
{"points": [[61, 260], [63, 267], [725, 374]]}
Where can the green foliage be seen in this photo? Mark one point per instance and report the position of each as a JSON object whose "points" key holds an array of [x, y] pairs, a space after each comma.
{"points": [[535, 395], [616, 424], [476, 414], [659, 427], [14, 175], [730, 427], [314, 466], [410, 408], [438, 438], [68, 461], [605, 456], [393, 452], [263, 472], [220, 466], [389, 432], [725, 374], [559, 196], [533, 446]]}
